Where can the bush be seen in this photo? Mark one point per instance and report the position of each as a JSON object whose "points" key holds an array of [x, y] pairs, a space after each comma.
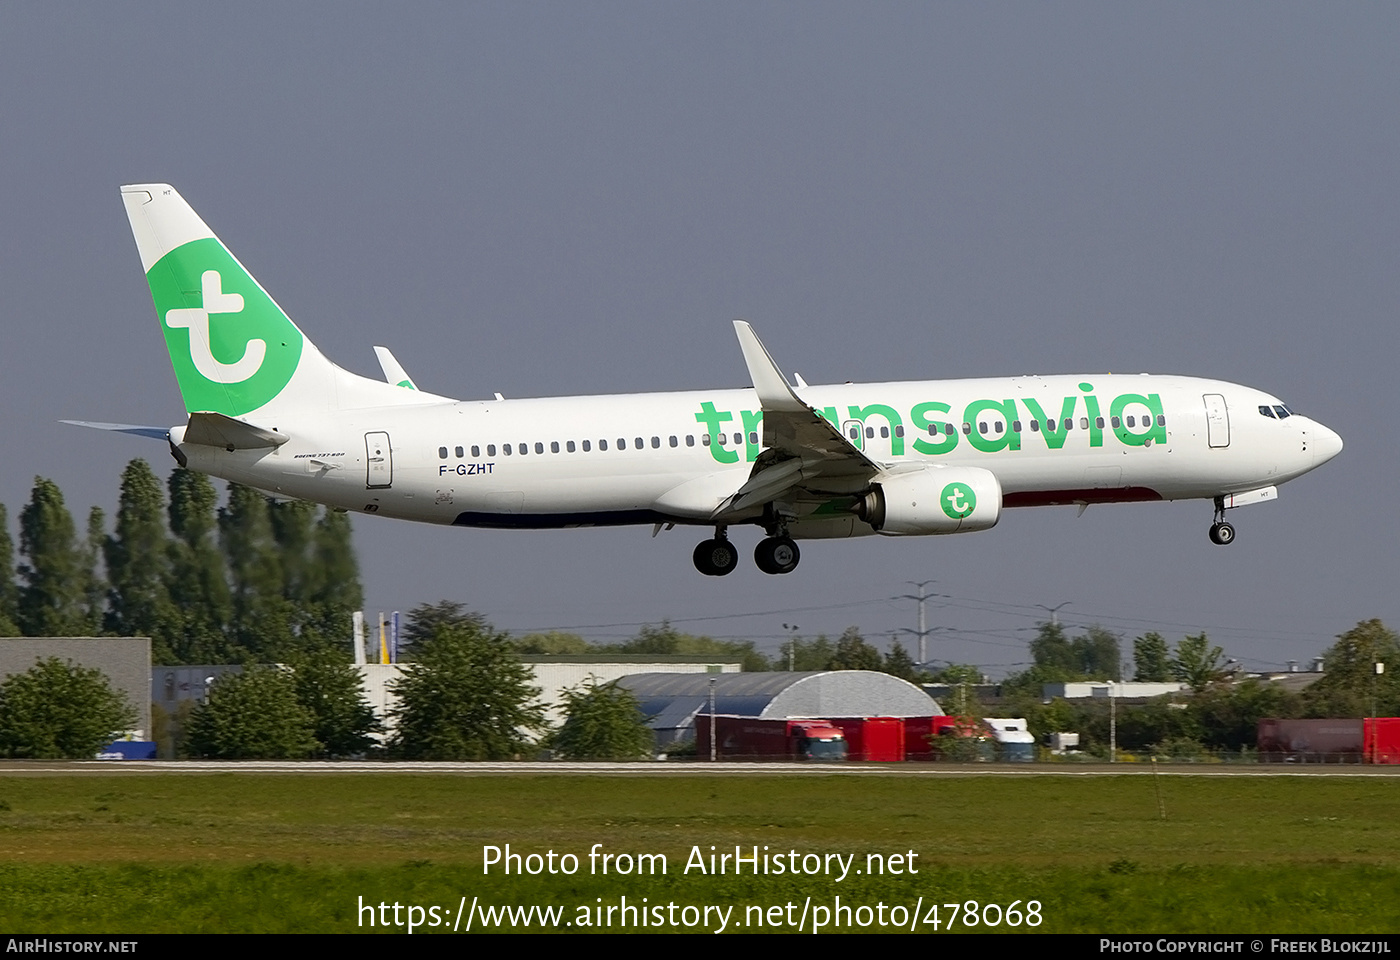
{"points": [[57, 710], [253, 715], [465, 696], [604, 723]]}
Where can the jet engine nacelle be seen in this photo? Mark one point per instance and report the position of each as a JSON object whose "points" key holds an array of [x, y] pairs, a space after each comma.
{"points": [[932, 500]]}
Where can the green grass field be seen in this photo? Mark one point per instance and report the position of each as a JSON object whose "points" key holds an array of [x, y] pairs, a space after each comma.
{"points": [[247, 853]]}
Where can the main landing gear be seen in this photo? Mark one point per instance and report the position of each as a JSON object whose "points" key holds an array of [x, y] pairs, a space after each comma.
{"points": [[777, 555], [1220, 531], [717, 557]]}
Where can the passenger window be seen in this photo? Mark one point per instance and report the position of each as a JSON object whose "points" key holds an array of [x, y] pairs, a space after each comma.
{"points": [[458, 452], [674, 442], [554, 446], [1069, 423], [967, 429], [1083, 423], [1015, 426], [998, 426], [490, 449], [705, 439], [738, 438], [1098, 422], [855, 433], [524, 448], [690, 439], [602, 444], [638, 444], [753, 436], [622, 443], [723, 438], [1132, 421], [505, 448], [476, 451], [1161, 419], [899, 430], [1117, 422], [1035, 426], [587, 446], [870, 433], [569, 446], [442, 451], [1049, 426], [539, 447]]}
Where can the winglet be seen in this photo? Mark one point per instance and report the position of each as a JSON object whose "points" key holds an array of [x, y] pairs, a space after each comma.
{"points": [[393, 370], [773, 391]]}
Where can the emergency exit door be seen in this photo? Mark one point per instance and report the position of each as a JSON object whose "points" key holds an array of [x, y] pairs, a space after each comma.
{"points": [[1217, 421], [379, 460]]}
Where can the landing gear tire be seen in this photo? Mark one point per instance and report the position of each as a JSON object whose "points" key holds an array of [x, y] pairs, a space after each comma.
{"points": [[1222, 533], [777, 555], [715, 558]]}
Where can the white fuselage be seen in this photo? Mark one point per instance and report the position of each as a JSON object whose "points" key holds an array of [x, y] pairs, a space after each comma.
{"points": [[676, 457]]}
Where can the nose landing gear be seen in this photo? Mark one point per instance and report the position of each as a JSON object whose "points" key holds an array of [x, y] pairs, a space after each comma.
{"points": [[1220, 531]]}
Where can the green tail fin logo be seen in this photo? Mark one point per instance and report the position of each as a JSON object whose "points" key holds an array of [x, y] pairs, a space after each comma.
{"points": [[232, 347]]}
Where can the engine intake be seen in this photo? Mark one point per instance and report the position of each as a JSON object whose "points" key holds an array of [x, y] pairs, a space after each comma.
{"points": [[934, 500]]}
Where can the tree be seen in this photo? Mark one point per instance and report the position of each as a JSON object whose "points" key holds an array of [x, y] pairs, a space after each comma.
{"points": [[604, 723], [329, 687], [1197, 663], [666, 639], [465, 696], [424, 621], [261, 616], [806, 655], [552, 643], [57, 709], [1349, 686], [955, 673], [899, 664], [853, 653], [197, 584], [1096, 653], [1151, 659], [51, 599], [1052, 653], [138, 558], [9, 593], [253, 715]]}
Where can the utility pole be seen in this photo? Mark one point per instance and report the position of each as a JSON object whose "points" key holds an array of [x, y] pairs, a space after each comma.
{"points": [[792, 629], [923, 630], [1054, 611]]}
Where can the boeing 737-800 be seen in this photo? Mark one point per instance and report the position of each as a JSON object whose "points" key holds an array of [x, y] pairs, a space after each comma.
{"points": [[267, 409]]}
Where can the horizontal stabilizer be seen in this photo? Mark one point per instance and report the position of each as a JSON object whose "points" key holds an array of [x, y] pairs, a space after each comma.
{"points": [[155, 433], [217, 430]]}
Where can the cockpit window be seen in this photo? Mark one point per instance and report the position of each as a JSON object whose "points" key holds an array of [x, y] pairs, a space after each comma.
{"points": [[1283, 412], [1266, 411]]}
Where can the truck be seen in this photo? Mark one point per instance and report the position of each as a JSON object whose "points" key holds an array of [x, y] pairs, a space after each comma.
{"points": [[1346, 740], [750, 738]]}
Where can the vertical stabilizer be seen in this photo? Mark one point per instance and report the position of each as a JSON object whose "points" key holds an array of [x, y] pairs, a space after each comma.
{"points": [[234, 350]]}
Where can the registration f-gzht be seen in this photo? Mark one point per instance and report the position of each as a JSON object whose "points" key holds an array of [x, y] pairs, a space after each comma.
{"points": [[267, 409]]}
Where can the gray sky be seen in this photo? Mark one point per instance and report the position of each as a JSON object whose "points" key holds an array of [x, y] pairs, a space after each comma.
{"points": [[555, 199]]}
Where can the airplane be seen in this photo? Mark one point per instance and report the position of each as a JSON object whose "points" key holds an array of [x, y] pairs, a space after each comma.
{"points": [[267, 409]]}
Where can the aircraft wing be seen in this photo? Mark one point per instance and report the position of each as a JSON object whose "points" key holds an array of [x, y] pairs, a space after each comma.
{"points": [[801, 447]]}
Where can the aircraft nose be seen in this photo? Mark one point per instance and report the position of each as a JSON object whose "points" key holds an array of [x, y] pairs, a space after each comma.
{"points": [[1326, 445]]}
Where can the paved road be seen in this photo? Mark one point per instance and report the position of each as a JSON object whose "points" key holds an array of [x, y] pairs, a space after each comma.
{"points": [[22, 768]]}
